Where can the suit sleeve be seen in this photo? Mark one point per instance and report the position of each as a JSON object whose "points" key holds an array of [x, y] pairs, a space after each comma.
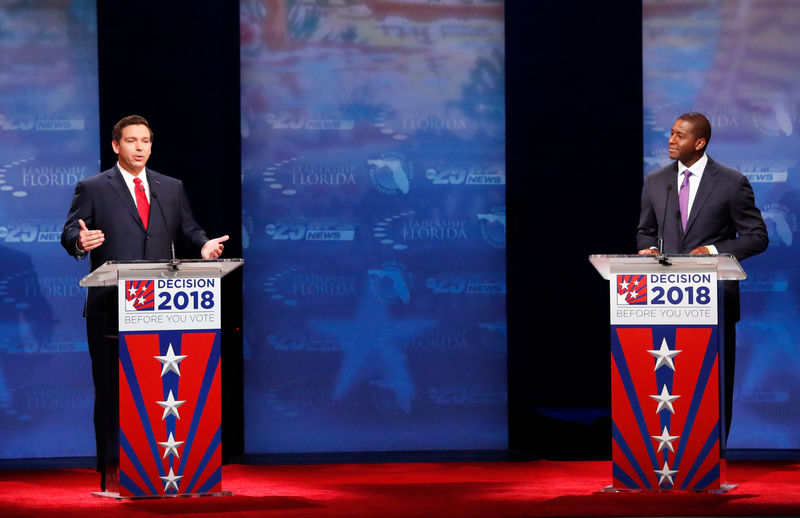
{"points": [[752, 237], [647, 232], [81, 208]]}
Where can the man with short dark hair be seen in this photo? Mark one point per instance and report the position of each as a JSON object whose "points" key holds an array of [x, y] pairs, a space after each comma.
{"points": [[722, 216], [130, 120], [702, 207], [128, 212]]}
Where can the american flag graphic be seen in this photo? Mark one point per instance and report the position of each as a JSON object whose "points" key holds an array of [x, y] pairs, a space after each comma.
{"points": [[631, 289], [139, 295]]}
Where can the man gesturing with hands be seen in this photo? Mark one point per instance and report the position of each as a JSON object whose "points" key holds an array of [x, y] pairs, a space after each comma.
{"points": [[89, 239], [128, 212]]}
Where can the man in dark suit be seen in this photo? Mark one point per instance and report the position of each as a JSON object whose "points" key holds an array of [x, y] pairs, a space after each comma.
{"points": [[128, 212], [698, 206]]}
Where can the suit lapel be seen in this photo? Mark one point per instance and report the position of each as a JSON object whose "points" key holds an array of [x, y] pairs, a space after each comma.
{"points": [[117, 184], [672, 208], [156, 198], [707, 183]]}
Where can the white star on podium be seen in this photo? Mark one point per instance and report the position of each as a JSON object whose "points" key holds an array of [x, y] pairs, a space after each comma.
{"points": [[664, 474], [171, 446], [624, 285], [171, 480], [665, 440], [665, 400], [664, 355], [131, 291], [171, 406], [170, 361]]}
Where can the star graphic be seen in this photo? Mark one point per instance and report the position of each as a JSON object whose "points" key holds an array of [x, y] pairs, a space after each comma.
{"points": [[624, 285], [372, 342], [632, 294], [140, 300], [171, 480], [665, 440], [170, 406], [131, 291], [664, 355], [666, 474], [170, 361], [171, 446], [665, 400]]}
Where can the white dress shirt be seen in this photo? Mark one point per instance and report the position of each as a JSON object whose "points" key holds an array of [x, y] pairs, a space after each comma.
{"points": [[128, 177], [697, 169]]}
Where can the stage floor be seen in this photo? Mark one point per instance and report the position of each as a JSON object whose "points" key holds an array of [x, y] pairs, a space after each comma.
{"points": [[458, 489]]}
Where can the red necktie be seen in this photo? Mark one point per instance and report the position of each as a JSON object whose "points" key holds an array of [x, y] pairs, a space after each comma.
{"points": [[141, 201]]}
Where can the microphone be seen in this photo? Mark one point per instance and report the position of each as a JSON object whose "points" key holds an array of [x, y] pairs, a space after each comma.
{"points": [[161, 210], [662, 257]]}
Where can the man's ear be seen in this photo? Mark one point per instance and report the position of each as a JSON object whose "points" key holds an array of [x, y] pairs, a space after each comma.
{"points": [[699, 144], [115, 146]]}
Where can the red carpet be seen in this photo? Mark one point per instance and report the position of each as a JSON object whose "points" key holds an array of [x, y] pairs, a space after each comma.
{"points": [[502, 489]]}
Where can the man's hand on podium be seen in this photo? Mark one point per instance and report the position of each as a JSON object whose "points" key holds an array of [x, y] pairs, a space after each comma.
{"points": [[700, 250], [89, 239], [213, 247]]}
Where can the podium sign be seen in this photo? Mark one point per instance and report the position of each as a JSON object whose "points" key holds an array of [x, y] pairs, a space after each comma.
{"points": [[169, 375], [665, 365], [644, 298]]}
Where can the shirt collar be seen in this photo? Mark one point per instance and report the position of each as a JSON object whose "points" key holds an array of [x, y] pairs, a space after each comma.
{"points": [[697, 168], [128, 176]]}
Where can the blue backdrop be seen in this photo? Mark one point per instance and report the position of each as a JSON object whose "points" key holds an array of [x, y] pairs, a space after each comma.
{"points": [[48, 142], [373, 225], [373, 192], [738, 62]]}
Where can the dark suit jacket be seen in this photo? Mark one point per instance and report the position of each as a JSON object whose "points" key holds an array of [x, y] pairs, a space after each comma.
{"points": [[724, 214], [104, 202]]}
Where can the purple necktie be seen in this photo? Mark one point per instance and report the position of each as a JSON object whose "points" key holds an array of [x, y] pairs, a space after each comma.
{"points": [[683, 198]]}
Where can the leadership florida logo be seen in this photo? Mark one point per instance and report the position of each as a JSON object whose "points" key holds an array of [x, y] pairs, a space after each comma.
{"points": [[632, 289]]}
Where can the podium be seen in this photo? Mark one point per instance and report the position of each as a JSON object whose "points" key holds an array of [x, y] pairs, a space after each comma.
{"points": [[666, 370], [169, 376]]}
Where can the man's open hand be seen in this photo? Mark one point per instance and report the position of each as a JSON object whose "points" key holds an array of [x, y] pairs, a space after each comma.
{"points": [[213, 247], [89, 239]]}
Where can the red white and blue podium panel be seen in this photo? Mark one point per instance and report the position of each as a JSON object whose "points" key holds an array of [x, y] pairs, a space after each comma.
{"points": [[665, 381], [169, 386]]}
